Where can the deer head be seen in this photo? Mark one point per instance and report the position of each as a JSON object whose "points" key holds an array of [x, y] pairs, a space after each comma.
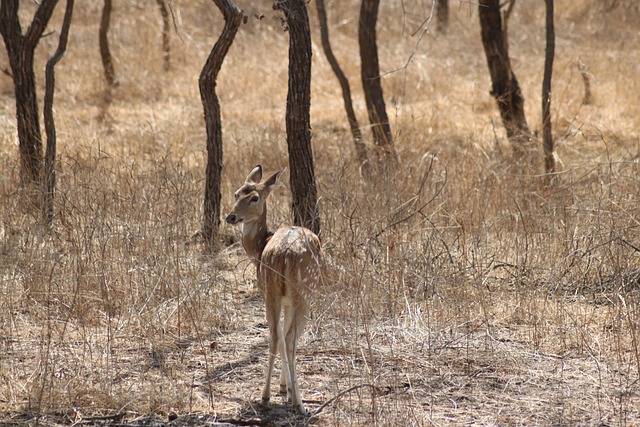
{"points": [[251, 198]]}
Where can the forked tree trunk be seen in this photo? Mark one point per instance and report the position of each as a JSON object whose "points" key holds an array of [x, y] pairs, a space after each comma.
{"points": [[105, 52], [166, 34], [505, 88], [371, 83], [20, 50], [49, 124], [298, 123], [207, 84], [360, 148], [547, 138], [442, 15]]}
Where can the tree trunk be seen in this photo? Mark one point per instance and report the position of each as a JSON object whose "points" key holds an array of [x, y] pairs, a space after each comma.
{"points": [[105, 52], [20, 50], [584, 72], [442, 15], [371, 83], [505, 88], [298, 123], [547, 138], [207, 84], [360, 148], [27, 115], [166, 34], [49, 123]]}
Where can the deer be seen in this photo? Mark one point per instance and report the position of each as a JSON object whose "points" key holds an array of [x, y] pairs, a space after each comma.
{"points": [[288, 265]]}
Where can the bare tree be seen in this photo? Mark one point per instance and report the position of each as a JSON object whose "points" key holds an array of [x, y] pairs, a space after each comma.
{"points": [[49, 123], [586, 79], [547, 138], [20, 50], [166, 34], [105, 52], [207, 84], [370, 73], [360, 148], [505, 88], [298, 123], [442, 15]]}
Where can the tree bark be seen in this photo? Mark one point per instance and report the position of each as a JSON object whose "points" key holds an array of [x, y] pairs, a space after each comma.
{"points": [[49, 123], [442, 15], [298, 123], [105, 52], [505, 88], [370, 73], [20, 50], [547, 138], [207, 84], [166, 34], [360, 148]]}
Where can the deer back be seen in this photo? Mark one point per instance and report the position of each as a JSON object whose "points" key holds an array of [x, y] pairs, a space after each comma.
{"points": [[291, 265]]}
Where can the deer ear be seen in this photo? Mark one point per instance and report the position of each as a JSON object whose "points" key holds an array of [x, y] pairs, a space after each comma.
{"points": [[255, 175], [273, 180]]}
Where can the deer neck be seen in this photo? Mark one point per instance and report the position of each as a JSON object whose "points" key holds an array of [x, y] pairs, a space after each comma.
{"points": [[255, 236]]}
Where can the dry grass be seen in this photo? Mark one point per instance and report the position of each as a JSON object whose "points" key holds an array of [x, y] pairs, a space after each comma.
{"points": [[459, 291]]}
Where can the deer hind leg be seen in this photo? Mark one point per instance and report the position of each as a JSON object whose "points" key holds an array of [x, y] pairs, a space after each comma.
{"points": [[285, 379], [273, 319], [294, 327]]}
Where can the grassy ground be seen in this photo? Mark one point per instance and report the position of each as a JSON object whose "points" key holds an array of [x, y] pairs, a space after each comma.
{"points": [[459, 291]]}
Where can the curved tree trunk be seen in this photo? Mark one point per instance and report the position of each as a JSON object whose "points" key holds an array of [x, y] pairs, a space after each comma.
{"points": [[105, 52], [505, 88], [166, 34], [49, 123], [371, 84], [547, 138], [360, 148], [207, 84], [20, 50], [298, 122]]}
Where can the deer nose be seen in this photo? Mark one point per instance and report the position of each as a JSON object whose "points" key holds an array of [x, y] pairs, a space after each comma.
{"points": [[231, 218]]}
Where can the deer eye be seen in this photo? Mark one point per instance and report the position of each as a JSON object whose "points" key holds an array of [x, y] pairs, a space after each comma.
{"points": [[254, 199]]}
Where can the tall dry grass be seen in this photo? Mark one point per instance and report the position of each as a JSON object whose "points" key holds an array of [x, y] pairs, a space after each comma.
{"points": [[459, 290]]}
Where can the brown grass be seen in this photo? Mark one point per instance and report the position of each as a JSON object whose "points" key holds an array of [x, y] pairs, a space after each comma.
{"points": [[458, 292]]}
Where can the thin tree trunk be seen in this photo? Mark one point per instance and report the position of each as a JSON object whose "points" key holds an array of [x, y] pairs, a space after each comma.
{"points": [[584, 72], [371, 83], [505, 88], [549, 161], [166, 34], [207, 84], [442, 15], [105, 52], [49, 123], [298, 122], [20, 50], [360, 148]]}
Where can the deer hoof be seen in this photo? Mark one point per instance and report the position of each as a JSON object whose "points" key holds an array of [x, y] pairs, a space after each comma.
{"points": [[283, 389]]}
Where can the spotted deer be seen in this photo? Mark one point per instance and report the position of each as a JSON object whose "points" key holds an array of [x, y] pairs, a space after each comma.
{"points": [[288, 263]]}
